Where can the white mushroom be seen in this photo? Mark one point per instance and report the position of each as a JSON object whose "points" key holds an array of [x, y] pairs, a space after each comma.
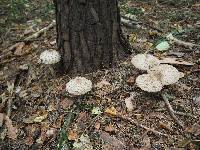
{"points": [[145, 61], [50, 57], [149, 83], [79, 86], [167, 74]]}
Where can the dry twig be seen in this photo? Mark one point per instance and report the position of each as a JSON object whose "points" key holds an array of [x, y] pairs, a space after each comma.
{"points": [[180, 42], [129, 23], [10, 100], [140, 125], [184, 114], [170, 109], [37, 34]]}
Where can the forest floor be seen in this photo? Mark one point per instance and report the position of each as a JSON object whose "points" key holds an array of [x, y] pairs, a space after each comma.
{"points": [[36, 112]]}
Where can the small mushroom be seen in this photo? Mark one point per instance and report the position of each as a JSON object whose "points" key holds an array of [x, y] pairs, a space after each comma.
{"points": [[78, 86], [50, 57], [167, 74], [145, 61], [149, 83]]}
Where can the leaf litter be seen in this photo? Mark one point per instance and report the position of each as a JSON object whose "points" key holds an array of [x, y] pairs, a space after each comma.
{"points": [[115, 127]]}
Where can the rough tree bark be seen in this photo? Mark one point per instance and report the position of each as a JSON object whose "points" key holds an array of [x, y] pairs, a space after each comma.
{"points": [[89, 35]]}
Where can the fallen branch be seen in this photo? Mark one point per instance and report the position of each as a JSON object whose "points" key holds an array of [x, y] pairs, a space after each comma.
{"points": [[129, 17], [129, 23], [180, 42], [184, 114], [10, 89], [170, 109], [7, 61], [31, 38], [9, 106], [37, 34], [140, 125], [175, 61], [179, 113], [132, 22]]}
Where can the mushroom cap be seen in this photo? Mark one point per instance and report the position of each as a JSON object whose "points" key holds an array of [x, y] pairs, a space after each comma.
{"points": [[79, 86], [144, 61], [167, 74], [149, 83], [50, 57]]}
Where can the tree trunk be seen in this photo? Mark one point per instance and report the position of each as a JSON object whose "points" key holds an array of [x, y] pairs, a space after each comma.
{"points": [[89, 35]]}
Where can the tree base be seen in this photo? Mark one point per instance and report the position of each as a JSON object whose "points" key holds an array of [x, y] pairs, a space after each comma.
{"points": [[89, 35]]}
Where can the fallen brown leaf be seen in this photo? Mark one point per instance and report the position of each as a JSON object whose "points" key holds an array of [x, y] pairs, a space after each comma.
{"points": [[81, 120], [109, 128], [131, 80], [1, 108], [117, 144], [103, 83], [72, 135], [51, 107], [12, 131], [194, 129], [147, 142], [41, 139], [19, 48], [22, 49], [29, 141], [43, 130], [58, 122], [15, 46], [104, 88], [111, 111], [82, 116], [66, 103], [165, 126], [97, 125], [50, 132]]}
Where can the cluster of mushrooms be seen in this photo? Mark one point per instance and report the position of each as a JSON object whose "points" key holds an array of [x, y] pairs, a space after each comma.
{"points": [[77, 86], [158, 75]]}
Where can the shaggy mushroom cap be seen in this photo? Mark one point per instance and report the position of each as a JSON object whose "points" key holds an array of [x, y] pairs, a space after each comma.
{"points": [[50, 57], [79, 86], [167, 74], [149, 83], [145, 61]]}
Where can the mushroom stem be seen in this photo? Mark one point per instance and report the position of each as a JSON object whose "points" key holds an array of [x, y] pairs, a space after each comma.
{"points": [[170, 109], [52, 71]]}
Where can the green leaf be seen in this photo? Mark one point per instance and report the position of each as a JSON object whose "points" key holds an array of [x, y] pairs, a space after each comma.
{"points": [[163, 46], [96, 111]]}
